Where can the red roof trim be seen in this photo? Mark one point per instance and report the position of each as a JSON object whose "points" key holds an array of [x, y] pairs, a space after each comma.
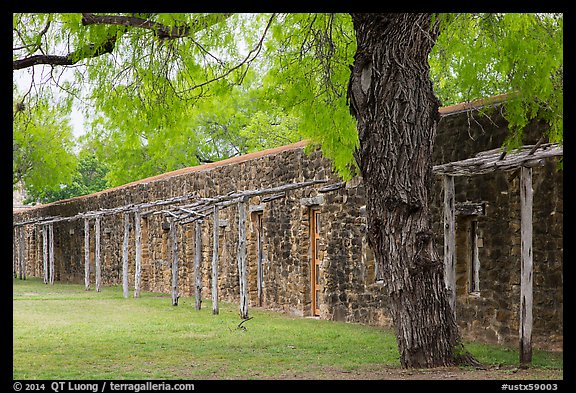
{"points": [[471, 105]]}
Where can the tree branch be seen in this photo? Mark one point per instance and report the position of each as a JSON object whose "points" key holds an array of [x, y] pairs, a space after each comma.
{"points": [[247, 60], [163, 32], [70, 59], [107, 46]]}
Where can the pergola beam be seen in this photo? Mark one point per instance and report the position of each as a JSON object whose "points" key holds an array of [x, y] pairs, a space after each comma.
{"points": [[125, 255], [450, 240], [242, 279], [526, 266], [215, 235], [197, 265], [202, 203], [51, 253], [45, 253], [138, 257], [97, 261], [87, 253], [492, 160], [174, 256]]}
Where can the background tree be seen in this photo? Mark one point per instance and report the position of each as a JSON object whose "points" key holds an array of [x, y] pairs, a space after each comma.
{"points": [[42, 142], [359, 85], [136, 142], [89, 177]]}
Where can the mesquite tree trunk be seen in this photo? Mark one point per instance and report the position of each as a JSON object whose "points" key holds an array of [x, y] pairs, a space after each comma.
{"points": [[392, 98]]}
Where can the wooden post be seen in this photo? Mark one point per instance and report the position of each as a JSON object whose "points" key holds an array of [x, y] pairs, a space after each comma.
{"points": [[45, 253], [215, 245], [125, 254], [97, 263], [450, 241], [14, 251], [525, 266], [51, 252], [87, 254], [242, 258], [174, 255], [259, 258], [138, 264], [21, 252], [197, 267]]}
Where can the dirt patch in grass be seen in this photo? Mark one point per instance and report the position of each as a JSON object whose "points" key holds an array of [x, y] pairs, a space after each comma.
{"points": [[394, 373], [447, 373]]}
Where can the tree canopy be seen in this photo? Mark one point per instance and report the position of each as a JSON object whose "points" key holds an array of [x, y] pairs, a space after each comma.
{"points": [[169, 90]]}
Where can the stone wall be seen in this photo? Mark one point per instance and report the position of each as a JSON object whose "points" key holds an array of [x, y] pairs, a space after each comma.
{"points": [[492, 314], [351, 291]]}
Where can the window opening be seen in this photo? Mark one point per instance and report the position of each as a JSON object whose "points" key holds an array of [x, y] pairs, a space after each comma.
{"points": [[474, 272]]}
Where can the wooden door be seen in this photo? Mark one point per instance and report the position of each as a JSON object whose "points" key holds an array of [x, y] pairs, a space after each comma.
{"points": [[315, 283]]}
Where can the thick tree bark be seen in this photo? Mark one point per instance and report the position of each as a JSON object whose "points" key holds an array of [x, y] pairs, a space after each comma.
{"points": [[392, 98]]}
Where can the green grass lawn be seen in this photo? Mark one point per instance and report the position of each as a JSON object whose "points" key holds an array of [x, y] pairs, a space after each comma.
{"points": [[65, 332]]}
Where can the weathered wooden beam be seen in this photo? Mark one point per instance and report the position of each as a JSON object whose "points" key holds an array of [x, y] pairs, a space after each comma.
{"points": [[273, 197], [45, 253], [215, 244], [332, 187], [203, 202], [51, 253], [87, 253], [197, 265], [259, 259], [14, 252], [242, 279], [273, 190], [489, 161], [39, 221], [526, 269], [450, 241], [193, 217], [174, 256], [234, 198], [21, 256], [138, 252], [97, 261], [125, 254], [162, 202]]}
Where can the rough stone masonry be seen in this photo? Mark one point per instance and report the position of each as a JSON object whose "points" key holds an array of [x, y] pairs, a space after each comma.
{"points": [[279, 237]]}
